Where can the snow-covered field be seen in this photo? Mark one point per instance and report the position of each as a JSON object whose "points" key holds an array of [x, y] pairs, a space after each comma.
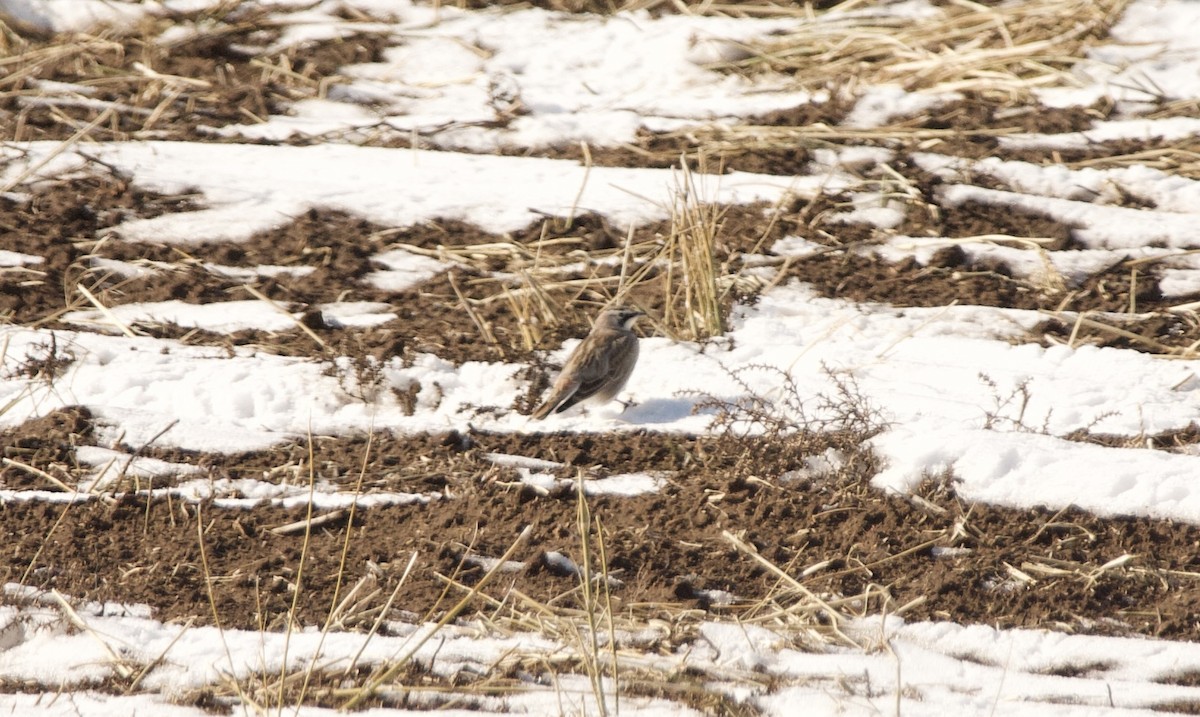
{"points": [[469, 105]]}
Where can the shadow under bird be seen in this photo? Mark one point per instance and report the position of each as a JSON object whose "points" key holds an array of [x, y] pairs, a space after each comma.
{"points": [[599, 366]]}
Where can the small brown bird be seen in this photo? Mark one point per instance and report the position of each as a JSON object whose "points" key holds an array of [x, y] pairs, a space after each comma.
{"points": [[599, 366]]}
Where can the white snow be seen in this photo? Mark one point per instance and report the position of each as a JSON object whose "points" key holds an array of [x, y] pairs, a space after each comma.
{"points": [[15, 258], [943, 379], [251, 188]]}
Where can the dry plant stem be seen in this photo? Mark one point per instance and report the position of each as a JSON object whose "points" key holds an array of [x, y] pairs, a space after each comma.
{"points": [[105, 311], [73, 617], [39, 473], [1133, 276], [561, 624], [353, 600], [362, 474], [521, 309], [484, 329], [1166, 351], [395, 669], [275, 305], [212, 599], [45, 541], [783, 262], [913, 332], [834, 616], [1075, 329], [64, 146], [137, 679], [446, 590], [626, 258], [583, 521], [691, 300], [21, 396], [940, 537], [608, 614], [291, 618], [341, 573], [587, 172], [697, 226], [306, 524], [1183, 161], [141, 449], [1008, 50], [732, 139], [532, 304], [412, 560]]}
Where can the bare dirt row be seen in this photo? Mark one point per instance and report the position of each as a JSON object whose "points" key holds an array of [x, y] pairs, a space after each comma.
{"points": [[674, 555]]}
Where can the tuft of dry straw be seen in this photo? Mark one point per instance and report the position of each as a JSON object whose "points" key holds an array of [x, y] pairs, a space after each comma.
{"points": [[691, 286], [965, 47]]}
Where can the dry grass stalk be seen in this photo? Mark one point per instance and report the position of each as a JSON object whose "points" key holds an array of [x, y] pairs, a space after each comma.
{"points": [[630, 651], [300, 573], [533, 305], [390, 672], [1049, 280], [336, 608], [485, 329], [590, 652], [691, 283], [734, 140], [1182, 158], [63, 146], [153, 664], [379, 617], [1054, 567], [1082, 321], [818, 609], [120, 665], [282, 310], [748, 8], [300, 526], [212, 599], [23, 65], [38, 472], [1008, 49], [142, 92]]}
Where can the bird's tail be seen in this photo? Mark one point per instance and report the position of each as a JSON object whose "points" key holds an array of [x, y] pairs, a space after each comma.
{"points": [[542, 411]]}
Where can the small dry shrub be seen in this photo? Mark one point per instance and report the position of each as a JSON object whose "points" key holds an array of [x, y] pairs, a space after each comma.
{"points": [[784, 429], [44, 361]]}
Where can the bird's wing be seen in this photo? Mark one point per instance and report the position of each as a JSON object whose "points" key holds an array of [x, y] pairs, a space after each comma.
{"points": [[589, 367], [564, 393], [611, 367], [588, 371]]}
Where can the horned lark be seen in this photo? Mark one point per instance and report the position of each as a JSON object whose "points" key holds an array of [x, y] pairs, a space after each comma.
{"points": [[599, 366]]}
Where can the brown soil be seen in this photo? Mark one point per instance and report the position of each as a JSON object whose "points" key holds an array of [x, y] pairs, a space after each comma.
{"points": [[178, 91], [665, 549], [62, 220], [668, 149], [974, 112], [1175, 440], [661, 7], [1161, 333]]}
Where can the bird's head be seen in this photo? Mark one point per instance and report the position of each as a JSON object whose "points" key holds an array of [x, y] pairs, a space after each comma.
{"points": [[619, 317]]}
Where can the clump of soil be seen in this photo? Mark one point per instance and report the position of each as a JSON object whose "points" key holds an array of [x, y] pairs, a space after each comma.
{"points": [[45, 445], [661, 150], [62, 220], [139, 87], [665, 548]]}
